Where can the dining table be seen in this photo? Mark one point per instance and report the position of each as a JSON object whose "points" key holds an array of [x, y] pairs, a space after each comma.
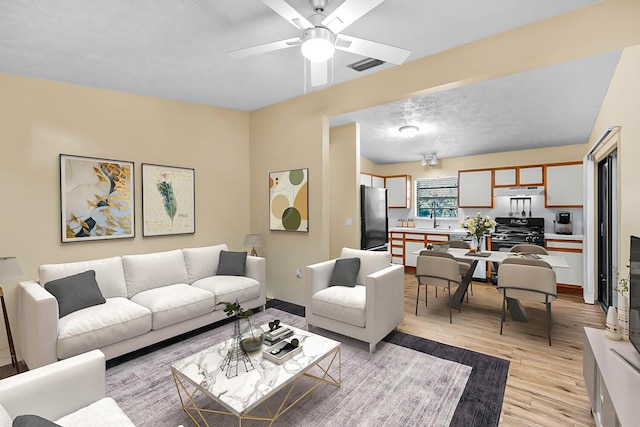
{"points": [[515, 307]]}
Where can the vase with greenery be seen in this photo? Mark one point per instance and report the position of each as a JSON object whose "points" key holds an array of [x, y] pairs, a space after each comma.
{"points": [[478, 227], [251, 336], [623, 302]]}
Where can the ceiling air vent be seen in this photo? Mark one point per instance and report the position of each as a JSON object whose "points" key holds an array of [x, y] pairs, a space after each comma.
{"points": [[365, 64]]}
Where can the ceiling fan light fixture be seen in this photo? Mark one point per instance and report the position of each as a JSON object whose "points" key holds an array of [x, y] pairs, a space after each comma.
{"points": [[408, 130], [318, 44]]}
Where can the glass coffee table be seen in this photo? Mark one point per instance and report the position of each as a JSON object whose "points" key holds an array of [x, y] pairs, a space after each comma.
{"points": [[248, 395]]}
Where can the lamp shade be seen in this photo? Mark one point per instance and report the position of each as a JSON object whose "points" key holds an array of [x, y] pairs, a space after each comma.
{"points": [[10, 269], [253, 241]]}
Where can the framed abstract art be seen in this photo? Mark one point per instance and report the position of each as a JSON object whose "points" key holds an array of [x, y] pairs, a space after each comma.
{"points": [[289, 200], [96, 198], [168, 200]]}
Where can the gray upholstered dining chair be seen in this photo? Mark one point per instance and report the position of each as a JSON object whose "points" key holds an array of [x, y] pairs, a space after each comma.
{"points": [[438, 269], [465, 264], [527, 248], [527, 279]]}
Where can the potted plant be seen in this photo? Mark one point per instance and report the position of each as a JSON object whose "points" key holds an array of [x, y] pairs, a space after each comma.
{"points": [[251, 337]]}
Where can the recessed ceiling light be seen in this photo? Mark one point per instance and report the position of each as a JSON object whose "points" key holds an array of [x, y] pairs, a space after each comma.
{"points": [[409, 130]]}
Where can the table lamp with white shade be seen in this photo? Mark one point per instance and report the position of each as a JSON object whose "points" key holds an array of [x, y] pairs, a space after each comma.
{"points": [[254, 241], [10, 269]]}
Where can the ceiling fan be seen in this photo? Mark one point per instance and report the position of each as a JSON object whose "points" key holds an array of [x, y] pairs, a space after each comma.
{"points": [[321, 35]]}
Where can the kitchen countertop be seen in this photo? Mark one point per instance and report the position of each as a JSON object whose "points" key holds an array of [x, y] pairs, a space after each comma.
{"points": [[563, 236], [426, 230]]}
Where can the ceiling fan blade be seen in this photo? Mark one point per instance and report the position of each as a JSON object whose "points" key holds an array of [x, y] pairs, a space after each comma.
{"points": [[348, 13], [319, 73], [264, 48], [285, 10], [383, 52]]}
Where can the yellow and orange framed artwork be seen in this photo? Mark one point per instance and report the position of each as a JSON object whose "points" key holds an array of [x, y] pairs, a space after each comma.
{"points": [[289, 200]]}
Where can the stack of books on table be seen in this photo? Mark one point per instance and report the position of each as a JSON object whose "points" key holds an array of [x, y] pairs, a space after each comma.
{"points": [[277, 335]]}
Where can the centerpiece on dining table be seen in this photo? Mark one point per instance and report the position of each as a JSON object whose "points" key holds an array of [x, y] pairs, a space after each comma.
{"points": [[478, 227]]}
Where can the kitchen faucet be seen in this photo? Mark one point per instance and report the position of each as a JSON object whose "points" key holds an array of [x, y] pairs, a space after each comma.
{"points": [[435, 222]]}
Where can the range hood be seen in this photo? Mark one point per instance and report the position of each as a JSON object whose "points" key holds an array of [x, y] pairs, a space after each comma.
{"points": [[534, 190]]}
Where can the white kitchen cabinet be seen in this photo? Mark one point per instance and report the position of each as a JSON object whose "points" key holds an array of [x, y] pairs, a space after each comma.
{"points": [[564, 185], [530, 175], [570, 250], [377, 181], [475, 189], [504, 177], [397, 247], [399, 191], [365, 179]]}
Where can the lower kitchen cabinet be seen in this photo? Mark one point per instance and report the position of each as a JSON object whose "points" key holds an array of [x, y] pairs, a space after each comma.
{"points": [[403, 245], [571, 250]]}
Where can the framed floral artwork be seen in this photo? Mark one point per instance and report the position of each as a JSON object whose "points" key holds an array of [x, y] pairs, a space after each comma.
{"points": [[168, 200], [96, 198], [289, 200]]}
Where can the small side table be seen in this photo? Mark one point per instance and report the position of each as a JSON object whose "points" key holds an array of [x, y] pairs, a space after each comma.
{"points": [[12, 349]]}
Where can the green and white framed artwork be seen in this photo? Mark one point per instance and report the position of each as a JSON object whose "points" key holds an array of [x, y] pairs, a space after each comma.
{"points": [[289, 200], [168, 200], [96, 199]]}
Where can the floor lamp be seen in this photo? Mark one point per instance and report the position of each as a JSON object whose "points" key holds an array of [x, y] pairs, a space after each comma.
{"points": [[10, 269]]}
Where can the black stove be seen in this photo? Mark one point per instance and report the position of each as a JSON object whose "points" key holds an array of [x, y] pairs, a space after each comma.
{"points": [[512, 231]]}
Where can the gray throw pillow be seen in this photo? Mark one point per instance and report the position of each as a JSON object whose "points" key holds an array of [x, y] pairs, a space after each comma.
{"points": [[345, 272], [32, 421], [232, 263], [76, 292]]}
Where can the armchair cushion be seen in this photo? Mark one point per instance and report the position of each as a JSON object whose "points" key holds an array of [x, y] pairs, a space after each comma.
{"points": [[370, 261], [341, 302], [75, 292], [232, 263], [345, 272]]}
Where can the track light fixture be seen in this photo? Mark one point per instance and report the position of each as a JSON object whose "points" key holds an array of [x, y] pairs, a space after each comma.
{"points": [[430, 159]]}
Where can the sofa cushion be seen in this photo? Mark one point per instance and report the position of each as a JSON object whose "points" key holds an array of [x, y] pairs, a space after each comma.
{"points": [[202, 262], [150, 271], [175, 303], [103, 413], [232, 263], [32, 421], [230, 288], [75, 292], [345, 272], [98, 326], [5, 418], [109, 274], [341, 303], [370, 261]]}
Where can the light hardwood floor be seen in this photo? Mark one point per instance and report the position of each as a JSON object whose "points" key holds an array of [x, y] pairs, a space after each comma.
{"points": [[545, 385]]}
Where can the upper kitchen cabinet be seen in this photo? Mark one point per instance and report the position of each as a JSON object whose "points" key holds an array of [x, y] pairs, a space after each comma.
{"points": [[399, 191], [475, 188], [516, 176], [530, 175], [371, 180], [564, 185]]}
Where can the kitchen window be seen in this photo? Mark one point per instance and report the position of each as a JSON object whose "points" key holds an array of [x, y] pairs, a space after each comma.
{"points": [[438, 196]]}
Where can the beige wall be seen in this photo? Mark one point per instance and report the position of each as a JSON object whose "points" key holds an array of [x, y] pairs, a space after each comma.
{"points": [[42, 119], [620, 108], [294, 134], [344, 178]]}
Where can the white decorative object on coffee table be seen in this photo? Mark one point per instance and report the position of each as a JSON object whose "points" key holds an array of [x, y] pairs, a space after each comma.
{"points": [[245, 395]]}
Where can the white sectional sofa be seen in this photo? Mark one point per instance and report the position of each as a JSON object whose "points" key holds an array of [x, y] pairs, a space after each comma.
{"points": [[70, 393], [149, 298]]}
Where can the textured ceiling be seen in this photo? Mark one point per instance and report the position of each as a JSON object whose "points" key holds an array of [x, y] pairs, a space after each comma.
{"points": [[177, 50]]}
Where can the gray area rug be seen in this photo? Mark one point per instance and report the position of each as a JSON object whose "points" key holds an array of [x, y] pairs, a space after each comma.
{"points": [[395, 386]]}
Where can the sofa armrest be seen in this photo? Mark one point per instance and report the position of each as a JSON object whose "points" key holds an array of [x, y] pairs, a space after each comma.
{"points": [[57, 389], [37, 325], [317, 277], [256, 268], [385, 294]]}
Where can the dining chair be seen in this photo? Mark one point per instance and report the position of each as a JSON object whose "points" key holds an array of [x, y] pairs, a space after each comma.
{"points": [[438, 269], [527, 248], [466, 263], [527, 279]]}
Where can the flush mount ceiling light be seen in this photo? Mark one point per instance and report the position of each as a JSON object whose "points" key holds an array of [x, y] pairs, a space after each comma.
{"points": [[318, 44], [409, 130]]}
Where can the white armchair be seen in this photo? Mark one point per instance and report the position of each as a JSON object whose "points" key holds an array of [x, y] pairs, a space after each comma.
{"points": [[367, 311]]}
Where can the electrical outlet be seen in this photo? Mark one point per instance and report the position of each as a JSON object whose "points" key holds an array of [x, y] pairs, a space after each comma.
{"points": [[299, 274]]}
